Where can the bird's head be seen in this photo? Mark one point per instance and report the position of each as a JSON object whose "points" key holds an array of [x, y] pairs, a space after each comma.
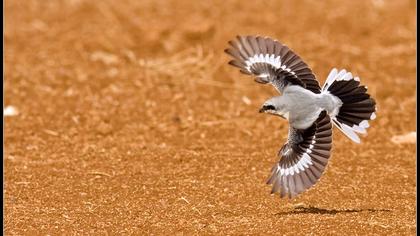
{"points": [[275, 106]]}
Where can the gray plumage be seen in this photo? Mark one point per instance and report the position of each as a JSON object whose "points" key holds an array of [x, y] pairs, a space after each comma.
{"points": [[309, 109], [302, 107]]}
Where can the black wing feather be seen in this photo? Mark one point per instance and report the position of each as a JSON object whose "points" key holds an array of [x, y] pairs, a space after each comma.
{"points": [[288, 69], [303, 158]]}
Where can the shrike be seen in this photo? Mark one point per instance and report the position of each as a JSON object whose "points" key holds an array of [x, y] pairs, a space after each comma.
{"points": [[309, 109]]}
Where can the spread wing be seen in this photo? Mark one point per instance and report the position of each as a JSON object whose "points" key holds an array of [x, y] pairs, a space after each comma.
{"points": [[303, 158], [271, 62]]}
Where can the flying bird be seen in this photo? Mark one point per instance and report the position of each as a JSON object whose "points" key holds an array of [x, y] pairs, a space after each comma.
{"points": [[309, 109]]}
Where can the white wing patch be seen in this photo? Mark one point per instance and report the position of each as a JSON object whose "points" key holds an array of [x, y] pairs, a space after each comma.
{"points": [[264, 75], [304, 163], [269, 59], [260, 58]]}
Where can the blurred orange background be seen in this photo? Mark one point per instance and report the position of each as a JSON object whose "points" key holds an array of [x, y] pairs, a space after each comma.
{"points": [[126, 118]]}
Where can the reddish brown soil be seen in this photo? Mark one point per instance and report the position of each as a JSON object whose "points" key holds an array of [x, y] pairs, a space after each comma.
{"points": [[131, 122]]}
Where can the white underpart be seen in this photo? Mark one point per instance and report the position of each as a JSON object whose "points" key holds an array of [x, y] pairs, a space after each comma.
{"points": [[267, 58], [333, 109], [304, 162], [286, 115]]}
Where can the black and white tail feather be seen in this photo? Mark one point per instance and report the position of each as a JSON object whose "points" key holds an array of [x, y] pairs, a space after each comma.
{"points": [[357, 106]]}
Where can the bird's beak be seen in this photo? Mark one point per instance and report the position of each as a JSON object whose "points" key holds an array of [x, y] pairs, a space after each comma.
{"points": [[262, 110]]}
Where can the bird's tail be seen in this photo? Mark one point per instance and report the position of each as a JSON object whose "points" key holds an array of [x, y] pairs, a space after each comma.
{"points": [[357, 107]]}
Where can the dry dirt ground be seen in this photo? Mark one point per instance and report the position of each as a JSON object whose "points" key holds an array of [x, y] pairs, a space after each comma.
{"points": [[130, 121]]}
